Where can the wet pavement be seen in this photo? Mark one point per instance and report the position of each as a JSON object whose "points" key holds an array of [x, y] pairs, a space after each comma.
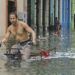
{"points": [[53, 66]]}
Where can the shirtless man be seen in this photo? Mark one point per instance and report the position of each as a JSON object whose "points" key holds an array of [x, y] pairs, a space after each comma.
{"points": [[20, 31]]}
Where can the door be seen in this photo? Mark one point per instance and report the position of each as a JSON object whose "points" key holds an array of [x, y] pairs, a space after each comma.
{"points": [[11, 8]]}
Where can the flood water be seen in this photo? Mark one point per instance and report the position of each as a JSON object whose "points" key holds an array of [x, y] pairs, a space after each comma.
{"points": [[53, 66]]}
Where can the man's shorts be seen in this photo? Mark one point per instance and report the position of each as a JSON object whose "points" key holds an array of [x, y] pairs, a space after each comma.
{"points": [[27, 42], [21, 46]]}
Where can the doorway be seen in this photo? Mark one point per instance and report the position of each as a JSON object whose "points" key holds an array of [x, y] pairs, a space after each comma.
{"points": [[11, 8]]}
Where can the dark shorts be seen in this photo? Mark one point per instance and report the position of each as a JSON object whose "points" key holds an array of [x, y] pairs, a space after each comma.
{"points": [[27, 42], [21, 46]]}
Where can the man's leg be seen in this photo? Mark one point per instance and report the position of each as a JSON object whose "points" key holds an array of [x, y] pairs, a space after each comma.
{"points": [[26, 52]]}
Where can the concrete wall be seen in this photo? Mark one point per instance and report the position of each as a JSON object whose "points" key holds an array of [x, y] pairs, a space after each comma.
{"points": [[20, 5], [3, 22], [22, 9]]}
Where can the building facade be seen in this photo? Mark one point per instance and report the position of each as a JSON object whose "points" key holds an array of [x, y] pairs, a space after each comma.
{"points": [[39, 14]]}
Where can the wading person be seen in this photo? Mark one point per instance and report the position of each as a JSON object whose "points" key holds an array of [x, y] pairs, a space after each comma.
{"points": [[18, 32], [57, 26]]}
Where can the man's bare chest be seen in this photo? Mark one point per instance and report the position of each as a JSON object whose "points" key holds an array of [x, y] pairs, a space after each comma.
{"points": [[17, 30]]}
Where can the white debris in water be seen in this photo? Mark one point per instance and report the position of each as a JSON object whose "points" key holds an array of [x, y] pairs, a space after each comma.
{"points": [[56, 55]]}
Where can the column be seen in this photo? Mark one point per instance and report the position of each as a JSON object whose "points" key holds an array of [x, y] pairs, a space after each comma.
{"points": [[3, 17]]}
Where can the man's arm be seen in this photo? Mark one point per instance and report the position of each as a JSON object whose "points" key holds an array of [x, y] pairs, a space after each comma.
{"points": [[30, 30], [6, 36]]}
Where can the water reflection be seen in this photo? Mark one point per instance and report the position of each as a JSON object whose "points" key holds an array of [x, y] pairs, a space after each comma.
{"points": [[17, 67], [13, 64]]}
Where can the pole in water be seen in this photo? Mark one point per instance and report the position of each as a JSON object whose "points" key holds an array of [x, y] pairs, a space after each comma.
{"points": [[0, 44]]}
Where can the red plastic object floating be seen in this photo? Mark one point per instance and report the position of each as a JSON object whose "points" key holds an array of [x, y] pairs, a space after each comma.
{"points": [[44, 53]]}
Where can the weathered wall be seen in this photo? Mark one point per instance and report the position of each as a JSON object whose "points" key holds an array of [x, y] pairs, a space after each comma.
{"points": [[3, 22]]}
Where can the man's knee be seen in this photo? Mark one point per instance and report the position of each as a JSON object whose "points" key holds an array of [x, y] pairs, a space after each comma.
{"points": [[25, 53]]}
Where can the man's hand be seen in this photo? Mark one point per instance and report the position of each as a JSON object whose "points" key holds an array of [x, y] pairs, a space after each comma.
{"points": [[34, 42], [4, 40]]}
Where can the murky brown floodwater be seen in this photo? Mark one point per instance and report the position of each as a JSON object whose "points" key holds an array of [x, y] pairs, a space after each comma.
{"points": [[55, 66]]}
